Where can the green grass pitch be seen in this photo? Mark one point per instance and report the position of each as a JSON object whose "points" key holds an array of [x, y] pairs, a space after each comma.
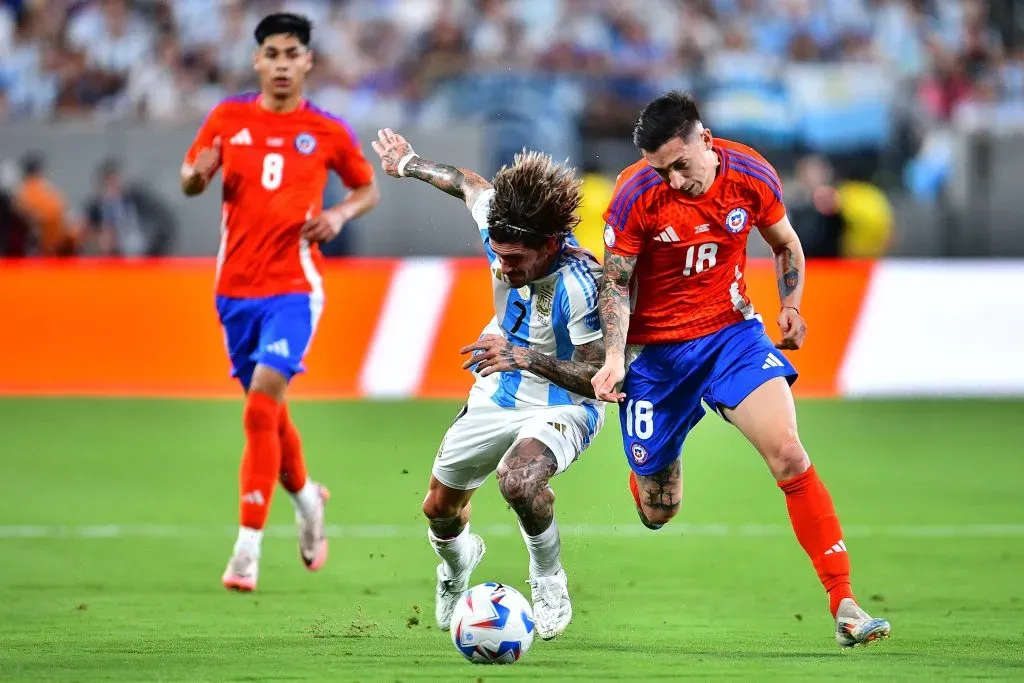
{"points": [[116, 520]]}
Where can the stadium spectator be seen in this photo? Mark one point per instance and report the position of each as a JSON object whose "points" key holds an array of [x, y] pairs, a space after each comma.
{"points": [[814, 209], [46, 210], [127, 220], [868, 224], [156, 89], [15, 231]]}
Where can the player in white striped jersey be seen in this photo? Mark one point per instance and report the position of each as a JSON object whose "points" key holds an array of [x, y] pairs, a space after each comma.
{"points": [[531, 411]]}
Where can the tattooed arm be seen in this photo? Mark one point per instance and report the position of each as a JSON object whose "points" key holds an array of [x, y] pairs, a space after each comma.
{"points": [[789, 261], [393, 149], [614, 301], [614, 304], [790, 267], [500, 355], [574, 375]]}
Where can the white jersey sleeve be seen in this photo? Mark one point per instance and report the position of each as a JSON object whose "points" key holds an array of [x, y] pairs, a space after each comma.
{"points": [[479, 211], [582, 283]]}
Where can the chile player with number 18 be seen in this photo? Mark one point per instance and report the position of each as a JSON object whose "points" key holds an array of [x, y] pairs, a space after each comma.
{"points": [[276, 150], [677, 231]]}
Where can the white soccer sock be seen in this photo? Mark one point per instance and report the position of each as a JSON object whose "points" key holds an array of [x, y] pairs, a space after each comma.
{"points": [[453, 552], [545, 551], [307, 499], [249, 540]]}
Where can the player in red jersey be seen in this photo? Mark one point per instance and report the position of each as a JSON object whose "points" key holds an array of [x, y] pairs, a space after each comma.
{"points": [[676, 238], [276, 150]]}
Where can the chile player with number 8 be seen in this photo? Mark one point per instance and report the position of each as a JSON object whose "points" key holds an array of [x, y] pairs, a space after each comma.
{"points": [[677, 230], [276, 150]]}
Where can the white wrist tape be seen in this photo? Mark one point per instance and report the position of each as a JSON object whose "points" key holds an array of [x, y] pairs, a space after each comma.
{"points": [[405, 162]]}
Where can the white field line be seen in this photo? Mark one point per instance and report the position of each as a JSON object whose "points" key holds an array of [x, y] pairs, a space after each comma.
{"points": [[584, 531]]}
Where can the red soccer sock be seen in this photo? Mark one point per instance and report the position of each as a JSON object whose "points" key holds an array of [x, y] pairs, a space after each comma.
{"points": [[293, 465], [261, 460], [817, 529]]}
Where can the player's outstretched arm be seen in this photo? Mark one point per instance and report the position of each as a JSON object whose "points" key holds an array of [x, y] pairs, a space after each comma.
{"points": [[398, 160], [790, 266], [494, 353], [613, 303]]}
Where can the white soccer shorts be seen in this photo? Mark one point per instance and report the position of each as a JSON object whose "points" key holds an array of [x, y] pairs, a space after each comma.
{"points": [[483, 432]]}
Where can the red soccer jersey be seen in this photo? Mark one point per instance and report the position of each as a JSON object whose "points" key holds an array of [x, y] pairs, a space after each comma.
{"points": [[275, 170], [688, 281]]}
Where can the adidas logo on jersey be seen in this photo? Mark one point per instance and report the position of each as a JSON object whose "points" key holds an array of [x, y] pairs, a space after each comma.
{"points": [[704, 227], [278, 348], [772, 361], [668, 235], [839, 547], [242, 137]]}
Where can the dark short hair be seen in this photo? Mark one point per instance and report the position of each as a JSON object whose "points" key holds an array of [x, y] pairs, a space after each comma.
{"points": [[672, 115], [534, 199], [32, 163], [108, 167], [284, 24]]}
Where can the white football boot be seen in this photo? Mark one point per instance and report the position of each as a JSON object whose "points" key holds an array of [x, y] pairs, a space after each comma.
{"points": [[854, 626], [242, 572], [312, 534], [451, 588], [552, 610]]}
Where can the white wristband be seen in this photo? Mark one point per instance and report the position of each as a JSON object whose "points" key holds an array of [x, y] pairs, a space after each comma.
{"points": [[405, 162]]}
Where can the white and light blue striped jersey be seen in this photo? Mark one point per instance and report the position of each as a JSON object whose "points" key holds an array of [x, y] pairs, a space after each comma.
{"points": [[552, 315]]}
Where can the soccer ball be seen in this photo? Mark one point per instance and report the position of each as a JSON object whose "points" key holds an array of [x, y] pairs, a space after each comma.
{"points": [[492, 624]]}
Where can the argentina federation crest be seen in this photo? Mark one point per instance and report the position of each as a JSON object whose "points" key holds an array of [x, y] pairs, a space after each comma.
{"points": [[305, 143], [545, 295]]}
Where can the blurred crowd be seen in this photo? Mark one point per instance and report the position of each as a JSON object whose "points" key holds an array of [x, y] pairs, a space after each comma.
{"points": [[855, 91], [173, 59]]}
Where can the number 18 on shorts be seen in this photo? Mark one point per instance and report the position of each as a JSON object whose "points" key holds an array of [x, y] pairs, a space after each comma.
{"points": [[668, 385]]}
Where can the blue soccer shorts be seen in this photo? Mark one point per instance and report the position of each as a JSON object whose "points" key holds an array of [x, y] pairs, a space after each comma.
{"points": [[666, 384], [274, 331]]}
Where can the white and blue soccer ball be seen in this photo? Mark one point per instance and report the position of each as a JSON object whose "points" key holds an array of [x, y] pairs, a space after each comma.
{"points": [[492, 624]]}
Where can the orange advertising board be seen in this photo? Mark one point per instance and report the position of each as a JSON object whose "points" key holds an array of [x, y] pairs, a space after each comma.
{"points": [[149, 328]]}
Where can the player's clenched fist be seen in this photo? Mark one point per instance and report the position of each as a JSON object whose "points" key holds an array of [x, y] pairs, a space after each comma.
{"points": [[196, 176], [392, 148], [793, 329], [608, 380], [323, 228], [208, 160]]}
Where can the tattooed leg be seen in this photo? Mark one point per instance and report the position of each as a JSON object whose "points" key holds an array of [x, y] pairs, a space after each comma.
{"points": [[661, 493], [523, 476]]}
